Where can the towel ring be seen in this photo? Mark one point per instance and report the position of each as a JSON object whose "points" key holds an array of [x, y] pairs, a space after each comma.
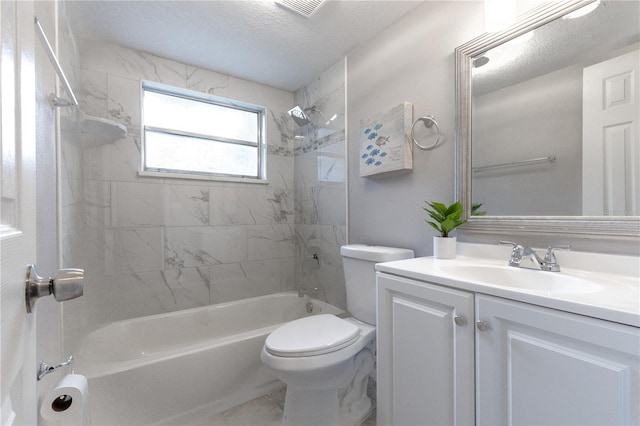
{"points": [[428, 121]]}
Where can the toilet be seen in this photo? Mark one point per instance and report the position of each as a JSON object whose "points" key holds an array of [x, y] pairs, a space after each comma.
{"points": [[326, 360]]}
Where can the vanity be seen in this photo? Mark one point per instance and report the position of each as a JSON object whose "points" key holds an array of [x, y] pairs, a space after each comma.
{"points": [[475, 341]]}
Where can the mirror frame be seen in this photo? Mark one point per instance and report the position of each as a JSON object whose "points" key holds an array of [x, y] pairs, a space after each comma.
{"points": [[619, 227]]}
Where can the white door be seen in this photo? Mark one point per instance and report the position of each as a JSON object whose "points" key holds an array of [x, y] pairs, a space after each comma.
{"points": [[425, 354], [17, 219], [611, 139], [539, 366]]}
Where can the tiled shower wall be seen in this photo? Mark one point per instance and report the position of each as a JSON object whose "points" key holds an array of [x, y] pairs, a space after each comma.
{"points": [[154, 245], [320, 186]]}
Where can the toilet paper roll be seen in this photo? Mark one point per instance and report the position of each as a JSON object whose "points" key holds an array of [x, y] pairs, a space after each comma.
{"points": [[67, 403]]}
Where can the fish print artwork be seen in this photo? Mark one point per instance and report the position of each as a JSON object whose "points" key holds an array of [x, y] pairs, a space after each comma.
{"points": [[384, 141]]}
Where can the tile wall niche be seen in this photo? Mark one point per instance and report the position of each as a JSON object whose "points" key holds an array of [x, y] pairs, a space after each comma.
{"points": [[320, 186], [153, 245]]}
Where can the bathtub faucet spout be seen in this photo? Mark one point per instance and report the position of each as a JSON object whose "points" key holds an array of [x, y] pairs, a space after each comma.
{"points": [[313, 292]]}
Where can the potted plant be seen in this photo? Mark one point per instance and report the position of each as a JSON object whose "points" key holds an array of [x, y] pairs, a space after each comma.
{"points": [[446, 219]]}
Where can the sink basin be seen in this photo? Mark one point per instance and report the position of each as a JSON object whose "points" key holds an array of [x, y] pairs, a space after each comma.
{"points": [[521, 278]]}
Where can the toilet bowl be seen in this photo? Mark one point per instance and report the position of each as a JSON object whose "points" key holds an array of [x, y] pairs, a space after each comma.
{"points": [[324, 360], [320, 376]]}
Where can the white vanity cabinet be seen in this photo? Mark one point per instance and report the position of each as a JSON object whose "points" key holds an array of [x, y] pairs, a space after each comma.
{"points": [[507, 363], [425, 354], [540, 366]]}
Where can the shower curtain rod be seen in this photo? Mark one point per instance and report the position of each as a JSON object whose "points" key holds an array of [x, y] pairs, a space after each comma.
{"points": [[549, 159], [53, 99]]}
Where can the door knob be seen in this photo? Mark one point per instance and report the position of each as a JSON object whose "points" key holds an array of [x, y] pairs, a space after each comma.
{"points": [[482, 326], [66, 285], [458, 320]]}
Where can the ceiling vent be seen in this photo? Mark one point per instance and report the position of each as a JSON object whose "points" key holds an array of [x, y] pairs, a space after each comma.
{"points": [[305, 8]]}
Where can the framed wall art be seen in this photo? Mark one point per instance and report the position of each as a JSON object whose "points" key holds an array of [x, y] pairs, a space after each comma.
{"points": [[385, 141]]}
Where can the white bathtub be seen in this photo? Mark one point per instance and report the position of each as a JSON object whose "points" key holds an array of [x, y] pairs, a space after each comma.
{"points": [[161, 368]]}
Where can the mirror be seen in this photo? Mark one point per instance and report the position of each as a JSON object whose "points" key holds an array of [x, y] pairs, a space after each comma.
{"points": [[547, 128]]}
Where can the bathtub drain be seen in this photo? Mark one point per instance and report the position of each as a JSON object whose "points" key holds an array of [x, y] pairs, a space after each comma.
{"points": [[309, 307]]}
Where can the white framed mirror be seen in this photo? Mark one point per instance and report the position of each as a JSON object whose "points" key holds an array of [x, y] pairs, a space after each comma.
{"points": [[548, 133]]}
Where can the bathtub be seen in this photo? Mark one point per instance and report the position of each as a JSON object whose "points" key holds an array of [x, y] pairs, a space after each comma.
{"points": [[163, 368]]}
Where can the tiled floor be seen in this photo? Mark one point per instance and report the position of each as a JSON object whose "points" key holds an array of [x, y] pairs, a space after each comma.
{"points": [[264, 411]]}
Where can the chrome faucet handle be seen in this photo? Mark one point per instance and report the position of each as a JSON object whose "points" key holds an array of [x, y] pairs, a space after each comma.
{"points": [[516, 253], [517, 248], [550, 262]]}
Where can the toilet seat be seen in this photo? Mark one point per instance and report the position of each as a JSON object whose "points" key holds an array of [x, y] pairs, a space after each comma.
{"points": [[314, 335]]}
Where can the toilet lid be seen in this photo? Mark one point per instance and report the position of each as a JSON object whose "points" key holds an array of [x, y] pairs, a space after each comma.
{"points": [[314, 335]]}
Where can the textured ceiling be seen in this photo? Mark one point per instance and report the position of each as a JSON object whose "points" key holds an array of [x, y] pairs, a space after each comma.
{"points": [[581, 41], [256, 40]]}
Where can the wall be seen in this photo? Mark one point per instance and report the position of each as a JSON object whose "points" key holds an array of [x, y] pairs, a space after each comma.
{"points": [[320, 186], [153, 245], [411, 61]]}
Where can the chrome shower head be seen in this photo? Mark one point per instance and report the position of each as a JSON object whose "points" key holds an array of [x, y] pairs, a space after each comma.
{"points": [[299, 116]]}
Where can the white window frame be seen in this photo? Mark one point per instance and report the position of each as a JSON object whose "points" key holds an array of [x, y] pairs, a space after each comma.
{"points": [[261, 146]]}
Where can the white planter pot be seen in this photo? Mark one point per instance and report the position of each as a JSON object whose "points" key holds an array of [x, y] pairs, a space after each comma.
{"points": [[444, 247]]}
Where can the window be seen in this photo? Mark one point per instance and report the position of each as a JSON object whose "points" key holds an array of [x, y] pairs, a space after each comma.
{"points": [[196, 135]]}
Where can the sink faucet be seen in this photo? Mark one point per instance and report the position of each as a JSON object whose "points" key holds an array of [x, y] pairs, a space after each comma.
{"points": [[520, 253]]}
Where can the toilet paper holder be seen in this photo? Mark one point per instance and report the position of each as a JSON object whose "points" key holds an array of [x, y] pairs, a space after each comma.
{"points": [[44, 368]]}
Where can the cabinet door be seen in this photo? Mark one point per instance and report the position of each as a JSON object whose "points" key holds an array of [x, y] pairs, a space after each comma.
{"points": [[425, 360], [538, 366]]}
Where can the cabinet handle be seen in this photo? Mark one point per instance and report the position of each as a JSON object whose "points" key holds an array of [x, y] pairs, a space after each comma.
{"points": [[482, 326], [459, 320]]}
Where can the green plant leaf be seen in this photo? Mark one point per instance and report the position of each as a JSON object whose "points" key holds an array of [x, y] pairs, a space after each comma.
{"points": [[434, 214], [454, 208], [447, 218], [454, 216], [448, 225], [435, 226], [437, 217], [474, 210], [438, 207]]}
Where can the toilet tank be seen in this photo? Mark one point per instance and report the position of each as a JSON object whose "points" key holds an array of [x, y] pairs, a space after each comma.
{"points": [[360, 276]]}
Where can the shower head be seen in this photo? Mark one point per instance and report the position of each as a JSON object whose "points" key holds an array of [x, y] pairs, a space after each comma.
{"points": [[299, 116], [302, 117]]}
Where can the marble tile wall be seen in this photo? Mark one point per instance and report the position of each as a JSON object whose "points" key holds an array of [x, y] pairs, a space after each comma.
{"points": [[320, 186], [153, 245]]}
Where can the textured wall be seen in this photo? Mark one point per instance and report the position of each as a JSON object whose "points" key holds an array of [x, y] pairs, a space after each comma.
{"points": [[411, 61]]}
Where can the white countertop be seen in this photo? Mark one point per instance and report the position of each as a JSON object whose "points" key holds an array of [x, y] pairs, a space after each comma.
{"points": [[616, 297]]}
